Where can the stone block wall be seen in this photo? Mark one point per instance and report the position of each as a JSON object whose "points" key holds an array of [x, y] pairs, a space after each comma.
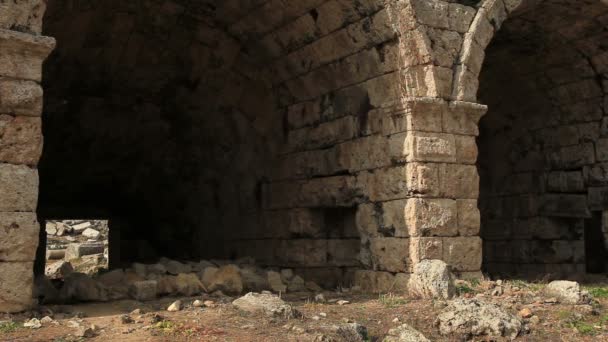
{"points": [[22, 51]]}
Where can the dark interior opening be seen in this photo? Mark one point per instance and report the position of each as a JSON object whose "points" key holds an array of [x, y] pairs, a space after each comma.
{"points": [[541, 152], [595, 244]]}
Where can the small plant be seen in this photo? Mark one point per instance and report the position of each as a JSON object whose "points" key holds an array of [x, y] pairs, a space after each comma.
{"points": [[165, 326], [8, 327], [462, 289], [475, 282], [598, 292], [583, 328], [390, 300]]}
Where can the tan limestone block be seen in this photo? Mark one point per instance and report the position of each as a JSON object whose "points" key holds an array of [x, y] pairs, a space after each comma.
{"points": [[431, 217], [469, 218], [20, 139], [22, 55], [18, 236], [423, 248], [390, 254], [20, 97], [432, 147], [18, 188], [463, 253], [16, 286], [459, 181]]}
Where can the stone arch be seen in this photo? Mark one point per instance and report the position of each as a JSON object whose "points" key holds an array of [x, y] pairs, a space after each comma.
{"points": [[312, 89], [541, 142]]}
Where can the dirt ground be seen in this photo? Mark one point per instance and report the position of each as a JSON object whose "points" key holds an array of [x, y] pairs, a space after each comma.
{"points": [[222, 322]]}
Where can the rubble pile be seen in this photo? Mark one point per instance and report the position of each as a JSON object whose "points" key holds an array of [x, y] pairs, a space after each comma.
{"points": [[168, 278]]}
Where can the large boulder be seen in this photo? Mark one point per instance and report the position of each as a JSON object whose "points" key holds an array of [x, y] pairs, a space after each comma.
{"points": [[45, 291], [206, 276], [228, 280], [432, 279], [175, 267], [143, 290], [275, 282], [472, 317], [266, 303], [81, 287], [405, 333], [568, 292]]}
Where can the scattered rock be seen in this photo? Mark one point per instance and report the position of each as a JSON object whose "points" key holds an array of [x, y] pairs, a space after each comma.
{"points": [[126, 319], [80, 287], [33, 323], [91, 233], [176, 306], [472, 317], [58, 270], [405, 333], [228, 280], [207, 275], [568, 292], [198, 304], [352, 332], [81, 226], [209, 304], [312, 286], [77, 250], [175, 267], [342, 302], [143, 290], [432, 279], [525, 313], [86, 332], [270, 304], [47, 320], [275, 282], [55, 254], [320, 298], [534, 320], [51, 228]]}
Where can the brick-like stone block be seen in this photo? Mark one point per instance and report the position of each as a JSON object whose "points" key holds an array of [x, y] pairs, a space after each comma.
{"points": [[431, 217], [20, 139], [21, 54], [463, 118], [343, 252], [459, 181], [18, 236], [431, 147], [422, 248], [469, 218], [78, 250], [305, 252], [20, 97], [564, 205], [16, 286], [463, 253], [390, 254], [18, 188], [466, 149], [22, 15], [597, 198]]}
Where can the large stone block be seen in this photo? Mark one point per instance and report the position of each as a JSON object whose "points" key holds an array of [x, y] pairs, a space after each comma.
{"points": [[20, 139], [18, 188], [18, 236], [390, 254], [16, 286], [21, 54], [469, 218], [381, 282], [463, 253], [424, 248], [565, 205], [459, 181], [20, 97], [431, 217], [22, 15], [432, 147]]}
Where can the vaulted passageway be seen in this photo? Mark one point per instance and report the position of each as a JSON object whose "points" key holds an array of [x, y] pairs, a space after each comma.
{"points": [[542, 144]]}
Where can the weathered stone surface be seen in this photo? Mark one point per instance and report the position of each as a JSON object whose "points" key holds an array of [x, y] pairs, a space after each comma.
{"points": [[20, 139], [18, 236], [80, 287], [472, 317], [16, 286], [188, 284], [227, 279], [58, 270], [352, 332], [143, 290], [19, 186], [20, 97], [25, 15], [21, 54], [432, 279], [405, 333], [275, 282], [78, 250], [269, 304], [568, 292]]}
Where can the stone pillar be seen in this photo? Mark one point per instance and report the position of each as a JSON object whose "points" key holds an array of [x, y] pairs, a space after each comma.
{"points": [[442, 214], [21, 58]]}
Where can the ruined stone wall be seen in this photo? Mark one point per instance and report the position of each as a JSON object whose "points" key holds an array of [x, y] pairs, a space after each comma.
{"points": [[542, 145]]}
